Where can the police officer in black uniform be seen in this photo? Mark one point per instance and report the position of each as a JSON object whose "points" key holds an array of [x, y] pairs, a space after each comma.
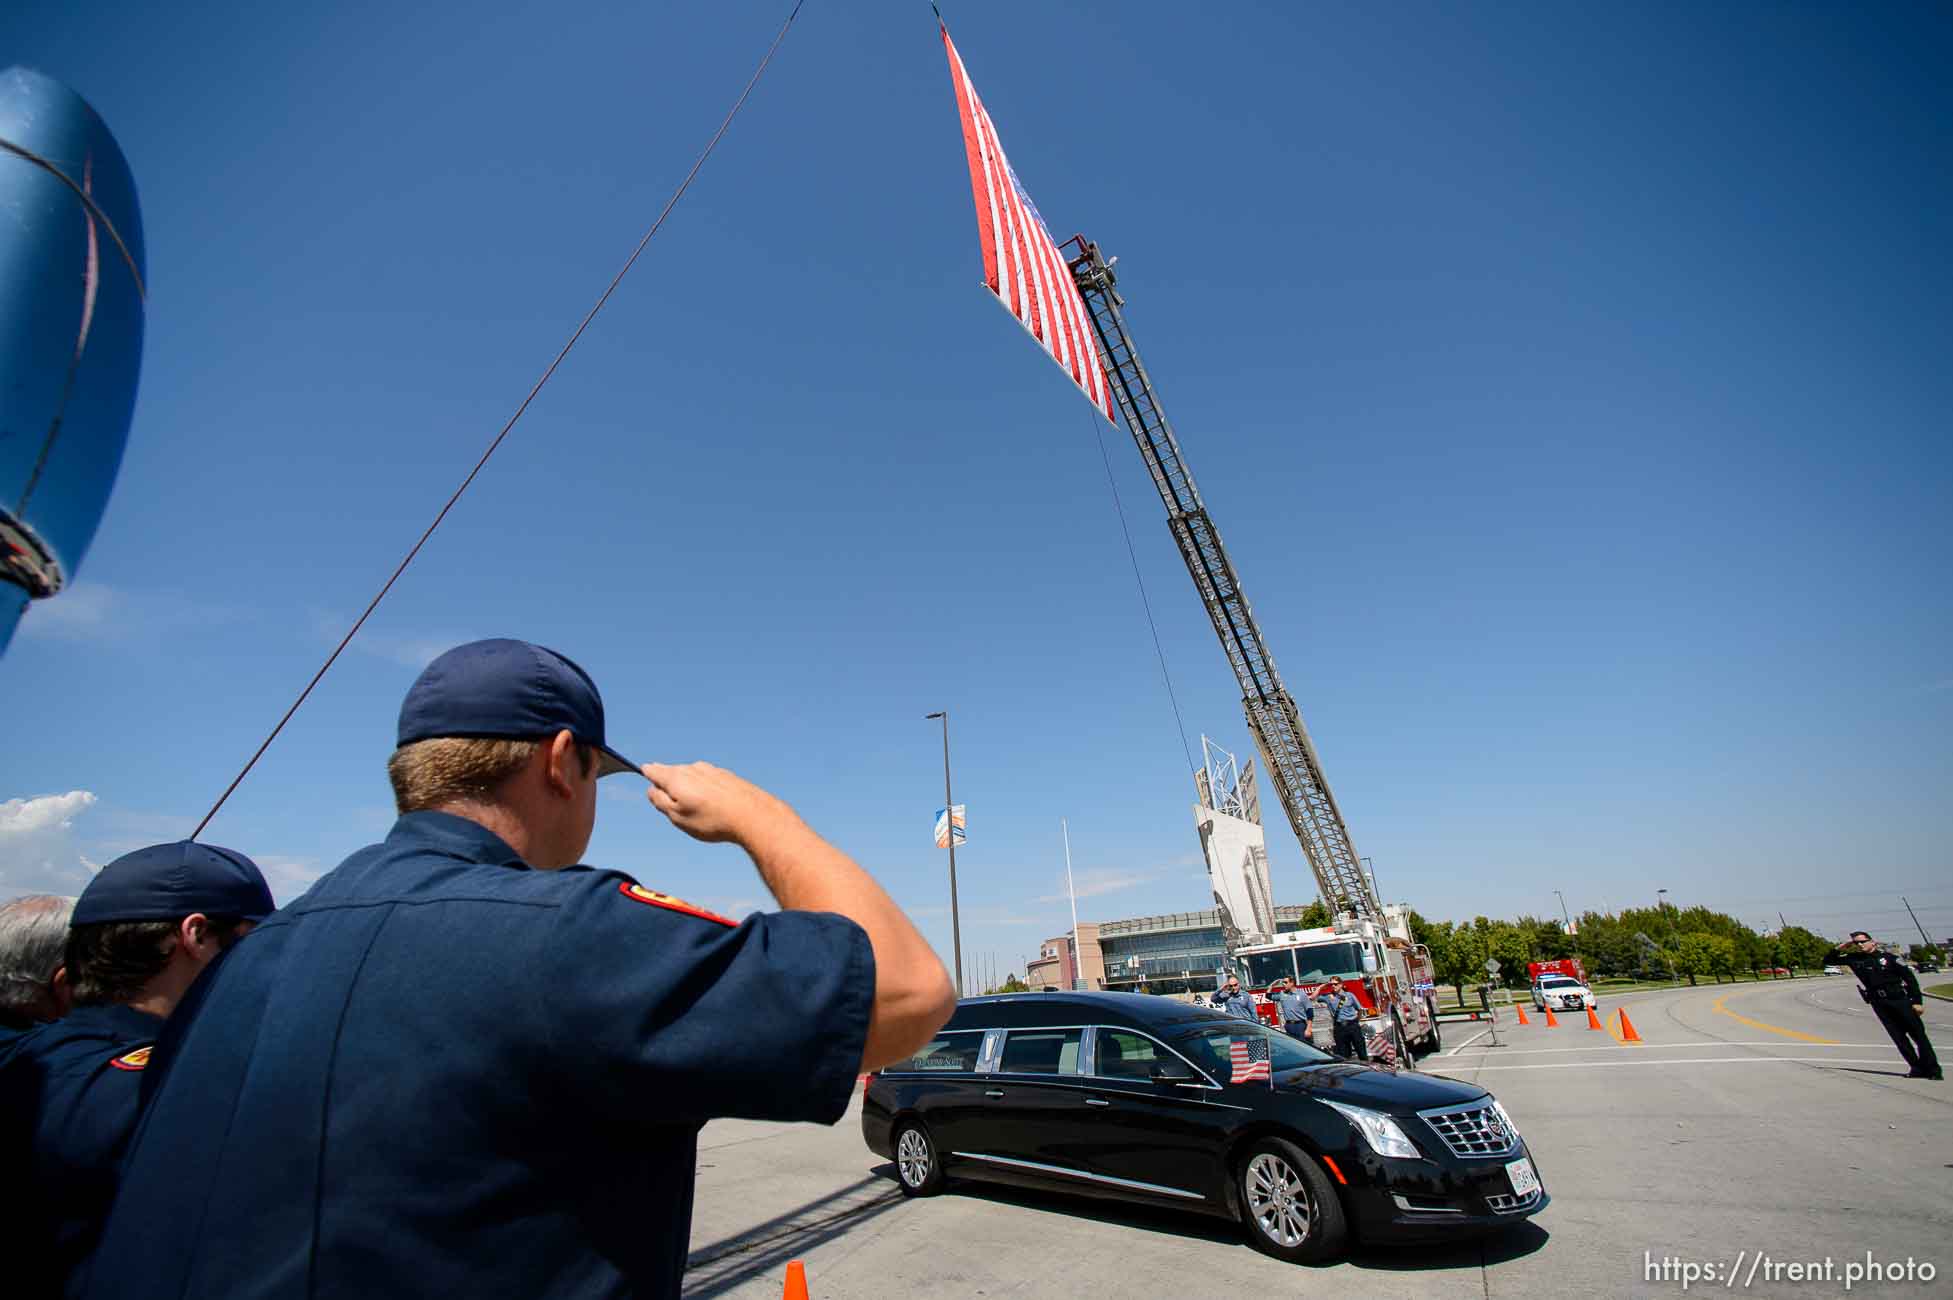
{"points": [[462, 1064], [141, 933], [1893, 991]]}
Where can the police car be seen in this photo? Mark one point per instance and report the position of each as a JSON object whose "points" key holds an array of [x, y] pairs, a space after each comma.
{"points": [[1561, 993], [1146, 1099]]}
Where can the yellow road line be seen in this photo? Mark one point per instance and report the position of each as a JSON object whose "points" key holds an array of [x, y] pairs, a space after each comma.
{"points": [[1774, 1029]]}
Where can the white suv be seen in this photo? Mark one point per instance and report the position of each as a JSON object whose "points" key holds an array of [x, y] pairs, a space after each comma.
{"points": [[1561, 993]]}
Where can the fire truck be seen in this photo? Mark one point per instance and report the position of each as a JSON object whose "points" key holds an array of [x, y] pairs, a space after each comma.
{"points": [[1390, 974]]}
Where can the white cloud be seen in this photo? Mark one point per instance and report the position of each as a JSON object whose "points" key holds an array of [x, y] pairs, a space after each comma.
{"points": [[97, 613], [79, 613], [415, 652], [37, 844], [288, 877], [1101, 880], [42, 812]]}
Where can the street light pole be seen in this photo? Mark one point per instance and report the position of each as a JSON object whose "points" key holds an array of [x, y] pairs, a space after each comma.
{"points": [[949, 837], [1661, 909]]}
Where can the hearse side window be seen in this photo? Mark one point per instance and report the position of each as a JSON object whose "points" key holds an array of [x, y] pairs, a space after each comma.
{"points": [[947, 1052], [1041, 1051], [1125, 1055]]}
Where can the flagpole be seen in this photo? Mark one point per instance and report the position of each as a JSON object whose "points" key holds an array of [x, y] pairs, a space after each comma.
{"points": [[949, 835], [1076, 962]]}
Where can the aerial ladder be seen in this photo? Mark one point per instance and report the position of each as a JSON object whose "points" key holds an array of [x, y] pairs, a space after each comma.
{"points": [[1396, 978], [1288, 756]]}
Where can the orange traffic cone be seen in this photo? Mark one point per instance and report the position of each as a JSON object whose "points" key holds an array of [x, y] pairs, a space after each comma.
{"points": [[1522, 1016], [796, 1281], [1627, 1026], [1593, 1021], [1552, 1021]]}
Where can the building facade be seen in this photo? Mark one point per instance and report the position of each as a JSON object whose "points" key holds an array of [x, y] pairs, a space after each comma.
{"points": [[1177, 952], [1057, 966]]}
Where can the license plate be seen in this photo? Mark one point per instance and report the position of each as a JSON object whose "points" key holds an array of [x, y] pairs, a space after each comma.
{"points": [[1524, 1181]]}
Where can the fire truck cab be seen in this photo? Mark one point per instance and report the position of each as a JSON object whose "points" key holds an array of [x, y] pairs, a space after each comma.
{"points": [[1389, 974]]}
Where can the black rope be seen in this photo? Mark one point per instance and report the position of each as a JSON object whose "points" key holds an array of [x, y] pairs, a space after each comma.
{"points": [[1098, 432], [591, 315], [87, 201]]}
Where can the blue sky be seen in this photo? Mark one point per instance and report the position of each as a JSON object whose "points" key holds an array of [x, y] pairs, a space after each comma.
{"points": [[1569, 386]]}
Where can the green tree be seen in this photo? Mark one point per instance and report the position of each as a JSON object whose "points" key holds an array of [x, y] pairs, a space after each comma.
{"points": [[1011, 984], [1435, 936], [1464, 959], [1722, 957], [1512, 944], [1315, 916], [1550, 940], [1920, 954], [1695, 954], [1802, 950], [1606, 946]]}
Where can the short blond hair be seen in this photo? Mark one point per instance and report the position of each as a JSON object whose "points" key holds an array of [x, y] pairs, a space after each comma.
{"points": [[448, 769]]}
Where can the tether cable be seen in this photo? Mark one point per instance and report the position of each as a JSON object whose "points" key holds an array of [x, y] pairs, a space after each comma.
{"points": [[1098, 432], [589, 316], [88, 202]]}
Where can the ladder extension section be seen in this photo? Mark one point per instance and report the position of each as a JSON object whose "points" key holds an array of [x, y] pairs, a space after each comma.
{"points": [[1288, 756]]}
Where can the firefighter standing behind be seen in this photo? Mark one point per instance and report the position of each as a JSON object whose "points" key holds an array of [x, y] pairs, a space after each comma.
{"points": [[1893, 991]]}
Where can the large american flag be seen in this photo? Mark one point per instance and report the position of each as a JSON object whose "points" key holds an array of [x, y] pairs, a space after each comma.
{"points": [[1021, 264], [1249, 1059]]}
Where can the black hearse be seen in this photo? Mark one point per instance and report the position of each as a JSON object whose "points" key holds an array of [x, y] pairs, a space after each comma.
{"points": [[1132, 1096]]}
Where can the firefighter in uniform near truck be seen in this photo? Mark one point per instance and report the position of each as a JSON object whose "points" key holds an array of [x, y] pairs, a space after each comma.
{"points": [[465, 1064], [1893, 992], [1297, 1010], [1346, 1022]]}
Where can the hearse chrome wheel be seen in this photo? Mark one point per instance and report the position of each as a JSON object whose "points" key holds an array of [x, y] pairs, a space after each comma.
{"points": [[913, 1154], [1291, 1208], [916, 1165], [1278, 1201]]}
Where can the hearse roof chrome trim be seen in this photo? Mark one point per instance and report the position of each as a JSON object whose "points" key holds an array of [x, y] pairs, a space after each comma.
{"points": [[1080, 1173]]}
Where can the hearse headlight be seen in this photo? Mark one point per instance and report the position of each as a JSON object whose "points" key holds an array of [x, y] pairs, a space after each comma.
{"points": [[1378, 1129]]}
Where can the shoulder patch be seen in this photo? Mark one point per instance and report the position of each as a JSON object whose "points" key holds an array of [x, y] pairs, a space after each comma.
{"points": [[632, 890], [136, 1060]]}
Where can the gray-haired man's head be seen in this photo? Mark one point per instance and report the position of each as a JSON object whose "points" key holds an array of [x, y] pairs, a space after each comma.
{"points": [[33, 943]]}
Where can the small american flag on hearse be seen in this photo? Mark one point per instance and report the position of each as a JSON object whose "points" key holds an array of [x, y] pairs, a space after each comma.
{"points": [[1249, 1059]]}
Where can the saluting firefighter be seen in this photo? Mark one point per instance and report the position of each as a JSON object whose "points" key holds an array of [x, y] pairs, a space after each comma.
{"points": [[1231, 999], [1893, 991], [70, 1092], [1298, 1011], [465, 1064], [1346, 1021]]}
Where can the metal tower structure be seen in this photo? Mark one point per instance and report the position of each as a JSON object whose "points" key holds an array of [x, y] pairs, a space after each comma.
{"points": [[1288, 756]]}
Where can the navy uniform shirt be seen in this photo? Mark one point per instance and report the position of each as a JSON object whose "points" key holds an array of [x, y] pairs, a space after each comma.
{"points": [[443, 1073], [69, 1093]]}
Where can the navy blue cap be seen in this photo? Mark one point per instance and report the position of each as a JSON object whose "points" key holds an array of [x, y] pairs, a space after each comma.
{"points": [[166, 882], [507, 690]]}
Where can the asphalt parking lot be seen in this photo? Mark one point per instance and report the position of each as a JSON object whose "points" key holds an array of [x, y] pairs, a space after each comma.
{"points": [[1756, 1127]]}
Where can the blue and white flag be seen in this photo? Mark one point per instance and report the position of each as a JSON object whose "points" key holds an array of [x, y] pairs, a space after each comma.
{"points": [[944, 820]]}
